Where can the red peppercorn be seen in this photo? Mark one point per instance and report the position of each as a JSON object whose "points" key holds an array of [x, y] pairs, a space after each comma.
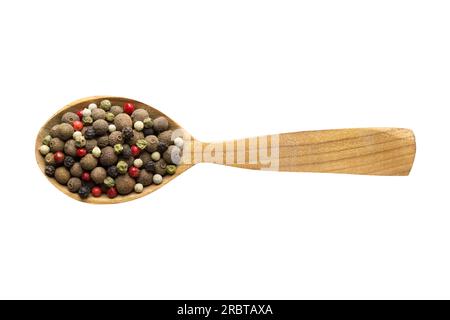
{"points": [[81, 152], [85, 176], [112, 192], [77, 125], [80, 114], [96, 191], [58, 157], [133, 172], [128, 107], [135, 150]]}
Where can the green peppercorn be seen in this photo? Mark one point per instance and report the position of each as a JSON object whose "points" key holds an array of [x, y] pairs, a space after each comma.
{"points": [[88, 120], [142, 144], [47, 140], [171, 169], [122, 166], [105, 104], [148, 123], [80, 142], [109, 182], [118, 148], [109, 116]]}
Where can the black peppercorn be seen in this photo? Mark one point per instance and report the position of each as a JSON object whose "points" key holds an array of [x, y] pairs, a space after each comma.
{"points": [[162, 147], [69, 162], [126, 152], [127, 133], [84, 191], [50, 170], [148, 131], [112, 172], [150, 166], [89, 133]]}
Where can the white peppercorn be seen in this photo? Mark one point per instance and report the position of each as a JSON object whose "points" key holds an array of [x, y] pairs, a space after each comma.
{"points": [[44, 149], [77, 134], [138, 187], [91, 107], [109, 116], [139, 125], [157, 179], [156, 156], [97, 152], [179, 142], [111, 128], [138, 163], [88, 112]]}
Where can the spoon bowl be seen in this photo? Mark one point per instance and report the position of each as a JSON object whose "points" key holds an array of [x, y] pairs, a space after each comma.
{"points": [[79, 105]]}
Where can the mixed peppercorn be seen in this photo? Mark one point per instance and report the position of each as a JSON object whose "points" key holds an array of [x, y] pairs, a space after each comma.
{"points": [[110, 149]]}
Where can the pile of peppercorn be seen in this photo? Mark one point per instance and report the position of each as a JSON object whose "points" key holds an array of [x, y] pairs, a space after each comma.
{"points": [[110, 149]]}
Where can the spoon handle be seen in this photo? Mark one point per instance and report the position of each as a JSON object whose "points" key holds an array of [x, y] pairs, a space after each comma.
{"points": [[369, 151]]}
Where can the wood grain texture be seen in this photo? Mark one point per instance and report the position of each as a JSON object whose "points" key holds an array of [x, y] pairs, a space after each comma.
{"points": [[369, 151]]}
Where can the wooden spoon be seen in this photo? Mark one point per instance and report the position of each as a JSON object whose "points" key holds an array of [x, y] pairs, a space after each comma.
{"points": [[369, 151]]}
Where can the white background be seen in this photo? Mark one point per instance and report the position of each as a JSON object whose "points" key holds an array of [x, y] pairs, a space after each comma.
{"points": [[231, 69]]}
